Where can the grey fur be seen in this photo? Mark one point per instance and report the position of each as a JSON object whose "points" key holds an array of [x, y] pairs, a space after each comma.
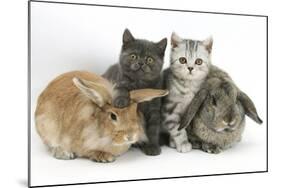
{"points": [[215, 118], [137, 73], [182, 84]]}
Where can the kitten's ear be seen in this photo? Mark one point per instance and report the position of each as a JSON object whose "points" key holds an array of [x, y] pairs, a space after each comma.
{"points": [[127, 36], [175, 40], [162, 44], [208, 43]]}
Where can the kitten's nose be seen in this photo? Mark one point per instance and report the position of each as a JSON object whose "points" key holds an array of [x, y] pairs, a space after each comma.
{"points": [[141, 63], [190, 69]]}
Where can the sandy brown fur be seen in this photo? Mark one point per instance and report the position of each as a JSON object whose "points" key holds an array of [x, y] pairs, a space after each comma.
{"points": [[71, 124]]}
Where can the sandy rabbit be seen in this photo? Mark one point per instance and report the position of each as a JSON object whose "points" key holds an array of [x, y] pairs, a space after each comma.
{"points": [[75, 117]]}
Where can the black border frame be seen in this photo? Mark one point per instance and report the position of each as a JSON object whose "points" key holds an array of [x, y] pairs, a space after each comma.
{"points": [[132, 7]]}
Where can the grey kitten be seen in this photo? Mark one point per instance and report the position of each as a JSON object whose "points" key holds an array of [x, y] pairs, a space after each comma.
{"points": [[139, 67], [190, 62]]}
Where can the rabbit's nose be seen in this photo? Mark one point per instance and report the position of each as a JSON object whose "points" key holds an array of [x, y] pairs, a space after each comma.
{"points": [[129, 137], [232, 123]]}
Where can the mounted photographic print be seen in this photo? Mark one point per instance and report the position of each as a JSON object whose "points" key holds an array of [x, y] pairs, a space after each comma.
{"points": [[120, 93]]}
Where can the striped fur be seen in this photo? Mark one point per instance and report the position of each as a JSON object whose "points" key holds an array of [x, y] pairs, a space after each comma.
{"points": [[183, 84]]}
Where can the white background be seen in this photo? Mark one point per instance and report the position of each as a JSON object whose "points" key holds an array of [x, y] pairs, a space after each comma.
{"points": [[14, 104], [71, 37]]}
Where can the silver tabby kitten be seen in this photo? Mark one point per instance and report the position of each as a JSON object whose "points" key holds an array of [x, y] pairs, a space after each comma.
{"points": [[190, 62]]}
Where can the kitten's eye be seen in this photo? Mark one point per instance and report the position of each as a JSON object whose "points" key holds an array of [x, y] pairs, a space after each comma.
{"points": [[113, 116], [198, 61], [182, 60], [133, 56], [150, 60]]}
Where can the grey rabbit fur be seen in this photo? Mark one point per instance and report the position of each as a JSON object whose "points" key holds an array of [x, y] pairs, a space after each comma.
{"points": [[215, 119]]}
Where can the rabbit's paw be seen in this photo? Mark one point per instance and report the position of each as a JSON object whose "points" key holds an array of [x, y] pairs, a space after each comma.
{"points": [[60, 153], [209, 148], [196, 145], [151, 149], [121, 102], [102, 157], [184, 147]]}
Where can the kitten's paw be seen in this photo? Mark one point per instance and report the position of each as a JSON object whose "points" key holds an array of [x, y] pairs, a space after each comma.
{"points": [[172, 143], [184, 147], [209, 148], [59, 153], [121, 102], [102, 157], [151, 149]]}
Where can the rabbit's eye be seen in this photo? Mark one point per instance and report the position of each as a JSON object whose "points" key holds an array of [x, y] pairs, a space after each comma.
{"points": [[214, 102], [113, 116]]}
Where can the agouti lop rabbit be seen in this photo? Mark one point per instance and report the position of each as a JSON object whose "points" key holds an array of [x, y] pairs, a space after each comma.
{"points": [[75, 118], [215, 118]]}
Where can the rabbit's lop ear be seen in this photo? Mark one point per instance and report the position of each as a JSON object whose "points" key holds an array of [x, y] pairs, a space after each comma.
{"points": [[229, 89], [142, 95], [95, 91], [192, 108], [249, 107]]}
